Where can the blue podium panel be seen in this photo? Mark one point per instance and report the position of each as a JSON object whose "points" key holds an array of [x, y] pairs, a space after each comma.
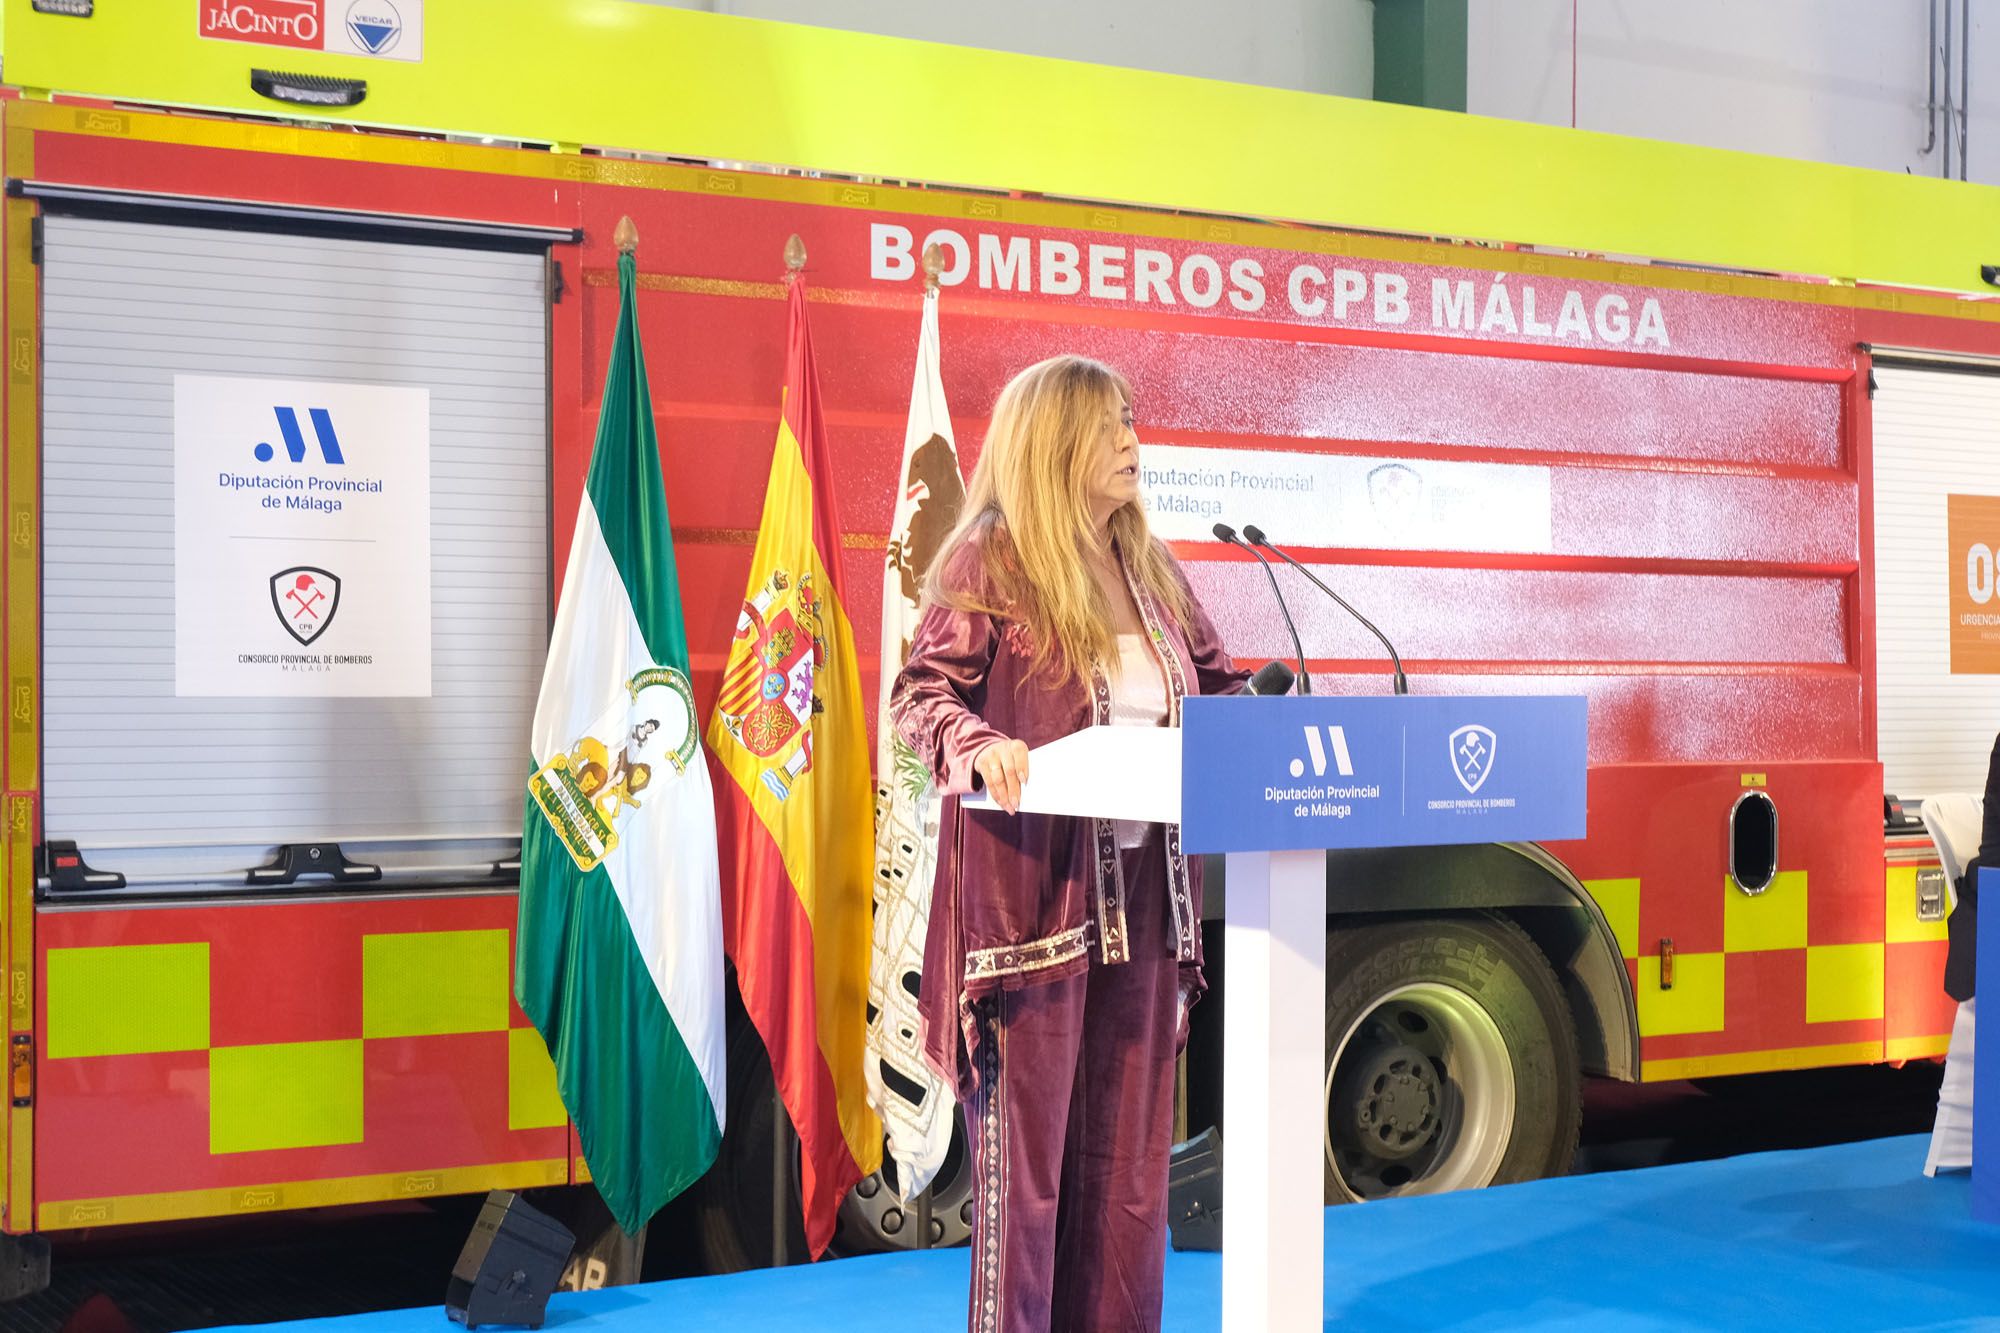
{"points": [[1273, 774], [1986, 1072]]}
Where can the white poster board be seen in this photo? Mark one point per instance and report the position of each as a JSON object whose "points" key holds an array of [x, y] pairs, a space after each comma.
{"points": [[302, 539], [1306, 499]]}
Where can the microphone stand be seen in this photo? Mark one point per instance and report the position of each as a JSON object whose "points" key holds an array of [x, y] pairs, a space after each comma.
{"points": [[1256, 536], [1228, 534]]}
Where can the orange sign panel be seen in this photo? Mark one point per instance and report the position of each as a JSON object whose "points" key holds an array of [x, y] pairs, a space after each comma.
{"points": [[1972, 524]]}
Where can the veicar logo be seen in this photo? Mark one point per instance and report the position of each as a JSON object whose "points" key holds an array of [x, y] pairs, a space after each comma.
{"points": [[375, 25]]}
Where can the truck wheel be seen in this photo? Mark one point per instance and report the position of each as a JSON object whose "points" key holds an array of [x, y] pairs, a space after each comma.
{"points": [[1451, 1059], [734, 1218], [24, 1266], [733, 1222], [874, 1219]]}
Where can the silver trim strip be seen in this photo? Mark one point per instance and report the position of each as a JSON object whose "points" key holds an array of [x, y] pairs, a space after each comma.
{"points": [[244, 208]]}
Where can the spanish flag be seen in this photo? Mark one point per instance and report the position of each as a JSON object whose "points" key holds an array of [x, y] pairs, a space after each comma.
{"points": [[790, 741]]}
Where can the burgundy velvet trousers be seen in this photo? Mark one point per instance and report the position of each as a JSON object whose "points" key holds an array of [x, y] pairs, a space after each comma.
{"points": [[1070, 1129]]}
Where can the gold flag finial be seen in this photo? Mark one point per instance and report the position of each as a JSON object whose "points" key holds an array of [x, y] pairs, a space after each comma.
{"points": [[626, 236], [933, 265], [795, 254]]}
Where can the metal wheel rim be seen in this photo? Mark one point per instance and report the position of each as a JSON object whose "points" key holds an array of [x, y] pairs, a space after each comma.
{"points": [[865, 1211], [1479, 1122]]}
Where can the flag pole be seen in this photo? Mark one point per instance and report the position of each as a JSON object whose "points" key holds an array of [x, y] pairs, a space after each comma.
{"points": [[933, 266], [780, 1169], [781, 1139]]}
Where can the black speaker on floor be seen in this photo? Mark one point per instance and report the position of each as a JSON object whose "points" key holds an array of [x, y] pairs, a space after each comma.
{"points": [[511, 1262], [1194, 1193]]}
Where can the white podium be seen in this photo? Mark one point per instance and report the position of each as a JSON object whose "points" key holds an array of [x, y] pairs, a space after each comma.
{"points": [[1274, 1026], [1272, 783]]}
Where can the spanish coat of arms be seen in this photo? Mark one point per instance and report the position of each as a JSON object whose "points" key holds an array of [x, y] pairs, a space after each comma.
{"points": [[767, 701]]}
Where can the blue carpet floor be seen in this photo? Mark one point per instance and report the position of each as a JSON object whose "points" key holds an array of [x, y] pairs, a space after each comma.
{"points": [[1849, 1237]]}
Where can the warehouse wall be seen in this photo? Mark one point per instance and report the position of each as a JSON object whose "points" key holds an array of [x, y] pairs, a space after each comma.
{"points": [[1319, 46], [1828, 80]]}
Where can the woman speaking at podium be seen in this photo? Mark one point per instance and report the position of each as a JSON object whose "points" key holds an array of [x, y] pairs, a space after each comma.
{"points": [[1063, 953]]}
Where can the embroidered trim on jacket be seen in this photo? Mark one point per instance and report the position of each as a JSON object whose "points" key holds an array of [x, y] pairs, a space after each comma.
{"points": [[1180, 894], [1107, 900], [1013, 959]]}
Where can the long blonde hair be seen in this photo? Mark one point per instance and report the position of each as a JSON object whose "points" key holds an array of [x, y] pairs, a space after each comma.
{"points": [[1027, 514]]}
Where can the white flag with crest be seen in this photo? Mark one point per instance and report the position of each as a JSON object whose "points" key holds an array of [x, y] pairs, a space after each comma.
{"points": [[915, 1106]]}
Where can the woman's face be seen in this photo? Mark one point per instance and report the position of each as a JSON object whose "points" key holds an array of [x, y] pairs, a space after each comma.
{"points": [[1114, 465]]}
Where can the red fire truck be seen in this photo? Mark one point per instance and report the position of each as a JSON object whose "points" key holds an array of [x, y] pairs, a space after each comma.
{"points": [[257, 947]]}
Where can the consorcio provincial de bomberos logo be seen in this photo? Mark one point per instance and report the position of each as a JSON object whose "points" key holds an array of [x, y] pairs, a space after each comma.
{"points": [[305, 599], [586, 791], [1472, 751]]}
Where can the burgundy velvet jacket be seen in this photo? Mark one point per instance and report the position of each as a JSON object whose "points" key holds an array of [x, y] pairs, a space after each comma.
{"points": [[1023, 899]]}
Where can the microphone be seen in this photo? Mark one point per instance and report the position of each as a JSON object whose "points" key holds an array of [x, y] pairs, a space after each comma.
{"points": [[1256, 536], [1271, 678], [1226, 533]]}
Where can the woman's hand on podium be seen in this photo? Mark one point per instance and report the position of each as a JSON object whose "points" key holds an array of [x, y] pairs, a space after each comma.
{"points": [[1003, 767]]}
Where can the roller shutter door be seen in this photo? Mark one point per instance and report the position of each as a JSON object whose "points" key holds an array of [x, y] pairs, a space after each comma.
{"points": [[194, 790], [1937, 433]]}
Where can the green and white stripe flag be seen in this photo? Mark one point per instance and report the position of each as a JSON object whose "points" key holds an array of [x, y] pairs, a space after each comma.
{"points": [[618, 956]]}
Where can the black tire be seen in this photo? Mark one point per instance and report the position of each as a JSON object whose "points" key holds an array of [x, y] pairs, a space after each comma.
{"points": [[1432, 1018], [24, 1266], [733, 1219]]}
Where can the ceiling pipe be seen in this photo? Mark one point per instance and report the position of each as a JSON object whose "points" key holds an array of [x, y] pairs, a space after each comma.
{"points": [[1964, 83], [1930, 86], [1949, 119]]}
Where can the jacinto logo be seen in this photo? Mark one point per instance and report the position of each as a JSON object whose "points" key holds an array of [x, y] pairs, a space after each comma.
{"points": [[1472, 750], [1336, 741], [277, 22]]}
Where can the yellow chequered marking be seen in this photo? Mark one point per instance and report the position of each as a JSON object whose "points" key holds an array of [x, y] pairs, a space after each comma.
{"points": [[67, 1213], [1773, 919], [1915, 1048], [1753, 1062], [1899, 922], [128, 999], [302, 1094], [1619, 898], [1843, 981], [430, 982], [1693, 1005], [533, 1101]]}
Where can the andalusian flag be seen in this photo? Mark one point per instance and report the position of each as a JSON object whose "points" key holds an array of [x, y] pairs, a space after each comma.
{"points": [[792, 742], [619, 951], [914, 1103]]}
